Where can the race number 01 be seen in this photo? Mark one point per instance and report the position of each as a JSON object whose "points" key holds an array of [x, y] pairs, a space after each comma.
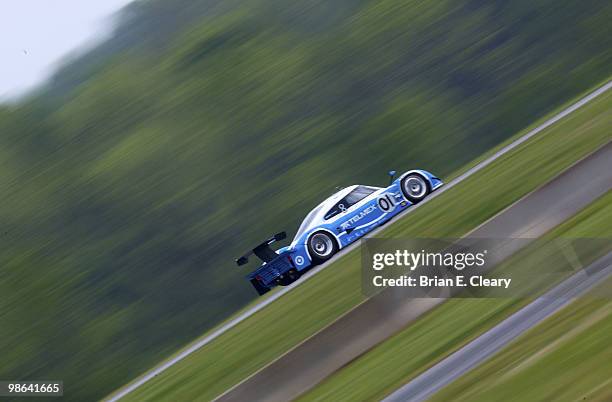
{"points": [[386, 203]]}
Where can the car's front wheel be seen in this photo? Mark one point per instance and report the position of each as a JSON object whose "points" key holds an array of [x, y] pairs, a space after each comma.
{"points": [[415, 188], [322, 246]]}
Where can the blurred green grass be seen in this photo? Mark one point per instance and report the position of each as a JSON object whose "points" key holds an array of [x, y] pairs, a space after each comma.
{"points": [[199, 127], [565, 358], [445, 329], [318, 302]]}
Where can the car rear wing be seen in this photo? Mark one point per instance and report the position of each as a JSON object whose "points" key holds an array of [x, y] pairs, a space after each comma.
{"points": [[263, 251]]}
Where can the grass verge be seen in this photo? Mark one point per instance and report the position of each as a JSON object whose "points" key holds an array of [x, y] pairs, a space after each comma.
{"points": [[565, 358], [445, 329]]}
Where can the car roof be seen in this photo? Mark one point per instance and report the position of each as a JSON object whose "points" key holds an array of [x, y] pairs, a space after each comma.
{"points": [[316, 215], [332, 199]]}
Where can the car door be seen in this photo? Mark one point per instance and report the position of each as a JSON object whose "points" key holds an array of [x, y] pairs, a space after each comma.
{"points": [[355, 214]]}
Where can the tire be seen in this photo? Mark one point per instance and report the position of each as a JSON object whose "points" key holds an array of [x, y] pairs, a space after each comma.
{"points": [[289, 277], [321, 246], [415, 188]]}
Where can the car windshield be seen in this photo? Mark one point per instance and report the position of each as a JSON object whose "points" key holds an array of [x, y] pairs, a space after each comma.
{"points": [[349, 200]]}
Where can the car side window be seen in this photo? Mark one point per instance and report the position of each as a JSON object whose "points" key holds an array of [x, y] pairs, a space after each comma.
{"points": [[349, 200], [336, 209]]}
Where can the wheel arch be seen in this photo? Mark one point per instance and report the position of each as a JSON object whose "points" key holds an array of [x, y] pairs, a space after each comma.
{"points": [[423, 173]]}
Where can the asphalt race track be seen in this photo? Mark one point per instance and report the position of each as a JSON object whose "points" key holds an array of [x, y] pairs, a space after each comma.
{"points": [[493, 340], [279, 293], [385, 314]]}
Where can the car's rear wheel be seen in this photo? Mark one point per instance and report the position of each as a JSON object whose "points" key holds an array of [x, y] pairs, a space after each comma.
{"points": [[322, 246], [289, 277], [415, 188]]}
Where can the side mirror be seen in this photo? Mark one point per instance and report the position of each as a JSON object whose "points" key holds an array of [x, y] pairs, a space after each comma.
{"points": [[391, 175], [242, 260], [280, 236]]}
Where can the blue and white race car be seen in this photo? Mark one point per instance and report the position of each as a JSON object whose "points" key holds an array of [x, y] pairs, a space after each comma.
{"points": [[335, 223]]}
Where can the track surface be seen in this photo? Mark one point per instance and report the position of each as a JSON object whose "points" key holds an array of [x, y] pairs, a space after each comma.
{"points": [[493, 340], [390, 311], [241, 317]]}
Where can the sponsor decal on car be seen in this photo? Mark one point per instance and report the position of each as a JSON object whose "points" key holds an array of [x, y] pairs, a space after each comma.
{"points": [[387, 202], [358, 217]]}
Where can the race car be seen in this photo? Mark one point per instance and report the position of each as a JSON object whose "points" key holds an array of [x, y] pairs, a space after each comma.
{"points": [[340, 220]]}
